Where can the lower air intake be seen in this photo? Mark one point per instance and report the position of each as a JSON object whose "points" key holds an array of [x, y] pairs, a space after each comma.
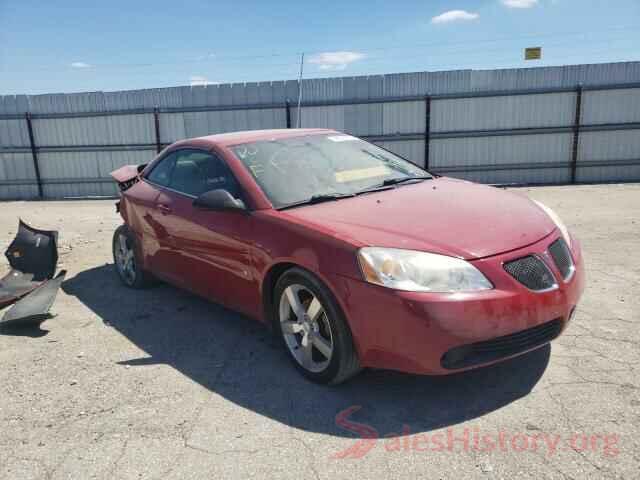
{"points": [[501, 347]]}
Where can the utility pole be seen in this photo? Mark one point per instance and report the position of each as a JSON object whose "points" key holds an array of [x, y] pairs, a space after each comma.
{"points": [[300, 88]]}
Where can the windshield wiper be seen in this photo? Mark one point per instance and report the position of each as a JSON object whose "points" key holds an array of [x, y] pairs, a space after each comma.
{"points": [[389, 183], [396, 181], [375, 188], [325, 197]]}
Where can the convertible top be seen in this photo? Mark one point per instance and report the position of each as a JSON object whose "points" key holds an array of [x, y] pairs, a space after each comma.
{"points": [[248, 136]]}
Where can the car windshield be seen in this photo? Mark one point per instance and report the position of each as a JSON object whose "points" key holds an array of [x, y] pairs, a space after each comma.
{"points": [[298, 170]]}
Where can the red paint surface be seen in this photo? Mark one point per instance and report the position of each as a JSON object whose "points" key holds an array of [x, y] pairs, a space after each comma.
{"points": [[226, 256]]}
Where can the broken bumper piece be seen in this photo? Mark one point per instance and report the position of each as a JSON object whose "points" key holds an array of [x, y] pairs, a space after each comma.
{"points": [[30, 284], [15, 285], [34, 307]]}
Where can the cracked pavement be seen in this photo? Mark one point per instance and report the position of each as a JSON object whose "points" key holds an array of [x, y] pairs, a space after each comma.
{"points": [[160, 384]]}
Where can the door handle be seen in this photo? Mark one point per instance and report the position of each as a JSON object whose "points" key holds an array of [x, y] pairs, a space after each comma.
{"points": [[164, 209]]}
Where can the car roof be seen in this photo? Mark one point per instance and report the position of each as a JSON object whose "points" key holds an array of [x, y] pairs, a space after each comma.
{"points": [[237, 138]]}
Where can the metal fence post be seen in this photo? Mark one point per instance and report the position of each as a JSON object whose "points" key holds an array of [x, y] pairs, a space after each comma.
{"points": [[34, 153], [288, 107], [427, 129], [156, 121], [576, 134]]}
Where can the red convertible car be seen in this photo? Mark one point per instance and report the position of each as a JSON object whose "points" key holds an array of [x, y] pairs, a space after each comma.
{"points": [[354, 256]]}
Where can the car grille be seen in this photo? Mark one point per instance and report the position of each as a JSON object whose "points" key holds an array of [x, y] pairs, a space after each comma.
{"points": [[501, 347], [562, 258], [532, 272]]}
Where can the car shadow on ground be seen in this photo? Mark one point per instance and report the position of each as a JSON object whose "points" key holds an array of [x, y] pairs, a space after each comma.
{"points": [[238, 358]]}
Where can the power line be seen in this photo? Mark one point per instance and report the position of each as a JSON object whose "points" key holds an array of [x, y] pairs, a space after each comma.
{"points": [[501, 62], [483, 51], [514, 62], [468, 53], [222, 59], [495, 39]]}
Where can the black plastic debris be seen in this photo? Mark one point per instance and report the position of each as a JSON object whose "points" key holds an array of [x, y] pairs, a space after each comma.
{"points": [[29, 285], [14, 285], [34, 307], [34, 251]]}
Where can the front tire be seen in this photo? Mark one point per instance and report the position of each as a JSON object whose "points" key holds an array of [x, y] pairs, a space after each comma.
{"points": [[128, 260], [313, 329]]}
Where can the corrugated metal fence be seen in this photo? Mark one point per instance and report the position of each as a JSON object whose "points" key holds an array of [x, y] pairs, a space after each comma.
{"points": [[539, 125]]}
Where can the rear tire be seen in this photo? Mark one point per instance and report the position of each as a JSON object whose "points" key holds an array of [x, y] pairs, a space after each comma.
{"points": [[127, 259], [313, 329]]}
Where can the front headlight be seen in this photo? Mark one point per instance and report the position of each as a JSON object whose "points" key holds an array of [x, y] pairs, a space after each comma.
{"points": [[414, 271], [556, 219]]}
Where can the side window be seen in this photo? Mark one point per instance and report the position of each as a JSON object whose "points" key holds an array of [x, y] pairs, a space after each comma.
{"points": [[161, 173], [197, 172]]}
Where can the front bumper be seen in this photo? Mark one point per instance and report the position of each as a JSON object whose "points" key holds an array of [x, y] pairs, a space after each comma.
{"points": [[412, 331]]}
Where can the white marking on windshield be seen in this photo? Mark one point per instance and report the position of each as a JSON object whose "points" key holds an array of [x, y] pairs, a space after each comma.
{"points": [[341, 138]]}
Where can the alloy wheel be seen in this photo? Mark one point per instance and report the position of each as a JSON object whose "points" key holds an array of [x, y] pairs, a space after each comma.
{"points": [[306, 328], [125, 260]]}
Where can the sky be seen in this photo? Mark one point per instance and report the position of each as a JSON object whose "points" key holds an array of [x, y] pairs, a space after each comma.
{"points": [[75, 46]]}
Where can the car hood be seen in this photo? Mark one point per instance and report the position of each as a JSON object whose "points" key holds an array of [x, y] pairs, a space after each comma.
{"points": [[442, 215]]}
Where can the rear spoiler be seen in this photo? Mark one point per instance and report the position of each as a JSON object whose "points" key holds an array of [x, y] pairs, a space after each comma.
{"points": [[128, 176]]}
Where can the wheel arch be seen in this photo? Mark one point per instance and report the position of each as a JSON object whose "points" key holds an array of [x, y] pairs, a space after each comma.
{"points": [[350, 364], [275, 271], [269, 281]]}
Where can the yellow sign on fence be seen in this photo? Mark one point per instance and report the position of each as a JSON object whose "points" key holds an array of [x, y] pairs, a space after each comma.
{"points": [[533, 53]]}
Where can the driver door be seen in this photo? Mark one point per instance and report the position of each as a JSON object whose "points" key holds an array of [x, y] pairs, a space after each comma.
{"points": [[212, 247]]}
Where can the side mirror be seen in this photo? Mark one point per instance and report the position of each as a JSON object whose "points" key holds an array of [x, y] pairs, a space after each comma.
{"points": [[219, 200]]}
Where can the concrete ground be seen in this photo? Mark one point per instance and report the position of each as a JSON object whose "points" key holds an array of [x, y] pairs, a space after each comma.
{"points": [[160, 384]]}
